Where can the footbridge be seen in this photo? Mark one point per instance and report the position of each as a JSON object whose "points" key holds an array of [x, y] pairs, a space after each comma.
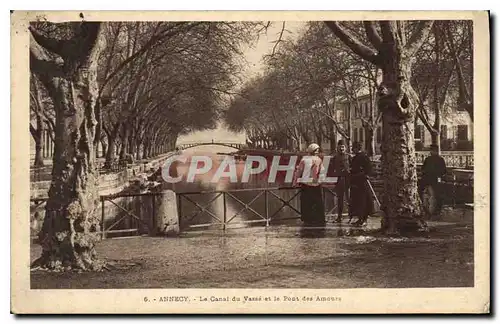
{"points": [[235, 145]]}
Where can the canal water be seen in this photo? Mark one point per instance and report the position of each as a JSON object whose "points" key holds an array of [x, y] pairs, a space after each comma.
{"points": [[205, 203]]}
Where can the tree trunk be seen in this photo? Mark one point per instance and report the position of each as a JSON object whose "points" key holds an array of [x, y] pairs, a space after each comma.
{"points": [[436, 131], [397, 101], [370, 141], [39, 132], [435, 140], [349, 127], [145, 152], [138, 149], [131, 144], [67, 237], [110, 153], [332, 137], [123, 147], [394, 52], [111, 149], [104, 145], [333, 143], [98, 130], [39, 143], [319, 139], [151, 151]]}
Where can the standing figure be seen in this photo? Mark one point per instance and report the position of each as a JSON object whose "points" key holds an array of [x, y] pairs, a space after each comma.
{"points": [[306, 176], [361, 196], [339, 167], [433, 170]]}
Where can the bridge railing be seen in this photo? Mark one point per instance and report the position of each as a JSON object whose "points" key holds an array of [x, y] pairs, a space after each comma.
{"points": [[210, 141], [263, 206], [120, 214], [233, 144], [453, 159]]}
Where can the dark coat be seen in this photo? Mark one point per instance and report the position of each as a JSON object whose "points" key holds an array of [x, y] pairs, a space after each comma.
{"points": [[434, 167], [340, 167], [361, 195]]}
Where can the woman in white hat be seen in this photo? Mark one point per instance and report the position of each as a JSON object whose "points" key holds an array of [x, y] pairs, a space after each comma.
{"points": [[311, 197]]}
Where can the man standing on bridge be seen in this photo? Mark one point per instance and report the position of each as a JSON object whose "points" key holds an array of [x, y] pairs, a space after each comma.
{"points": [[306, 175], [339, 167], [433, 170]]}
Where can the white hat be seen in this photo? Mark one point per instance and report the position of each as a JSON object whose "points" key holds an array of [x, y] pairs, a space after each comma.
{"points": [[312, 148]]}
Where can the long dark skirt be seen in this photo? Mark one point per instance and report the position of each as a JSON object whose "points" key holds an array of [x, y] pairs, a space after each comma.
{"points": [[311, 205], [361, 199]]}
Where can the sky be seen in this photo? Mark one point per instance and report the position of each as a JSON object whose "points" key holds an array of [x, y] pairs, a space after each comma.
{"points": [[267, 41], [253, 55]]}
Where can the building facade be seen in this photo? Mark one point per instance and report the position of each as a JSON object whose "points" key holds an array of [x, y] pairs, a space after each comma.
{"points": [[456, 134]]}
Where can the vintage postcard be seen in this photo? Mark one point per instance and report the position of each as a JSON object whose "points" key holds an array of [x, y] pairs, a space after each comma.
{"points": [[250, 162]]}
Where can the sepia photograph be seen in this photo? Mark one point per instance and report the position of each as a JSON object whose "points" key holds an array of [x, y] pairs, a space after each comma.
{"points": [[247, 163]]}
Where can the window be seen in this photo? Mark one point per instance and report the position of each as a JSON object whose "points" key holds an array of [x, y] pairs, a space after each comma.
{"points": [[361, 134], [355, 134], [379, 134], [419, 132], [462, 133], [444, 132], [367, 110]]}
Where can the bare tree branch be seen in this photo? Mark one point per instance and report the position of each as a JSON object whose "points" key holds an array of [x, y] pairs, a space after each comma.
{"points": [[465, 97], [424, 120], [279, 39], [335, 123], [419, 36], [372, 34], [51, 44], [148, 45], [41, 62], [33, 131], [354, 44], [387, 29], [51, 132]]}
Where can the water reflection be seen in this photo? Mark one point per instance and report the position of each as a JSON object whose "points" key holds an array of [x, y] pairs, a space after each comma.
{"points": [[209, 204]]}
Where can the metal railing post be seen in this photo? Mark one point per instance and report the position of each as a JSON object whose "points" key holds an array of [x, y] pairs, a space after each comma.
{"points": [[266, 206], [325, 206], [225, 209], [152, 224], [454, 190], [103, 234], [179, 213]]}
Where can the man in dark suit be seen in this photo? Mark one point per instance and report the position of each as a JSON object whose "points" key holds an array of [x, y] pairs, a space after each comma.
{"points": [[433, 170], [339, 166]]}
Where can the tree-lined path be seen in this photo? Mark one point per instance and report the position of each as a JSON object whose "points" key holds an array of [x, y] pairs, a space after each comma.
{"points": [[119, 91]]}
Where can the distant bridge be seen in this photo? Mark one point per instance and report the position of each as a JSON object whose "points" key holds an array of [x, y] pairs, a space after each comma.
{"points": [[235, 145]]}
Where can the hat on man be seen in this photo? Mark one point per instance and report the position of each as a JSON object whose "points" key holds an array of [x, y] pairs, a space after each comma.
{"points": [[341, 142]]}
